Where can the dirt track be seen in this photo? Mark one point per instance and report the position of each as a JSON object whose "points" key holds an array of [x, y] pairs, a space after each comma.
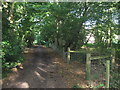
{"points": [[39, 71]]}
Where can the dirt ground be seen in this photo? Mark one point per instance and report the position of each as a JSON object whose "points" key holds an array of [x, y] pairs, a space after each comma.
{"points": [[73, 73], [44, 68]]}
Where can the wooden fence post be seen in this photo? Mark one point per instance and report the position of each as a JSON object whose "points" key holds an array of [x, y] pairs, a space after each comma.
{"points": [[107, 73], [113, 58], [88, 66], [68, 55], [63, 53]]}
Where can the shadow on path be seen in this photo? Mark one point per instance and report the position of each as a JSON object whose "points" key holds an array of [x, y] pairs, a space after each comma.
{"points": [[38, 71]]}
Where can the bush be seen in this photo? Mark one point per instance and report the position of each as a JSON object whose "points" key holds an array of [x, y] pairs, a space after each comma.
{"points": [[12, 55]]}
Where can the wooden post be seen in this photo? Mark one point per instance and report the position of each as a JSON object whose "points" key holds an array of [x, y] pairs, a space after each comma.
{"points": [[113, 58], [88, 66], [68, 55], [107, 73], [63, 53]]}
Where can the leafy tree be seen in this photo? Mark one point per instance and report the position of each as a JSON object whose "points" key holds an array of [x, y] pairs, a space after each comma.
{"points": [[64, 24]]}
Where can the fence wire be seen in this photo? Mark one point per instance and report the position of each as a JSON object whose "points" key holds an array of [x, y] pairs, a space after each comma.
{"points": [[98, 69], [78, 57], [115, 75], [98, 73]]}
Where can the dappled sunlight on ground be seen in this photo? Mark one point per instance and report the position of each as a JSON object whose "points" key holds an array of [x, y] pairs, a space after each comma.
{"points": [[79, 72], [56, 62], [42, 69], [45, 68], [28, 50], [37, 71], [22, 85], [39, 76]]}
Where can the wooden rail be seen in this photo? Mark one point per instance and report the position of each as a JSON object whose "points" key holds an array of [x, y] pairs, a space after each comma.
{"points": [[99, 57], [88, 63], [78, 51], [89, 58]]}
